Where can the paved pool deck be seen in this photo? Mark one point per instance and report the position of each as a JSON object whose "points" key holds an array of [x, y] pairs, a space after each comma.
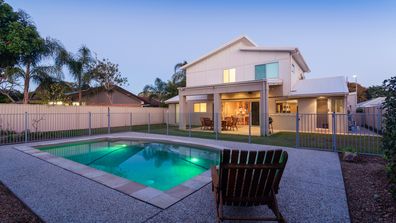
{"points": [[311, 190]]}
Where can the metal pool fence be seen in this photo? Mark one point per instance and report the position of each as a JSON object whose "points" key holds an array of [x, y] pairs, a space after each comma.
{"points": [[359, 132]]}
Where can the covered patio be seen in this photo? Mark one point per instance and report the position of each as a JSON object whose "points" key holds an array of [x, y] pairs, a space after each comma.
{"points": [[239, 102]]}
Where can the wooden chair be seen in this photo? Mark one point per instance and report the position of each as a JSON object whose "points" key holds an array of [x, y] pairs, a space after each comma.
{"points": [[248, 178], [234, 123], [202, 123], [208, 123]]}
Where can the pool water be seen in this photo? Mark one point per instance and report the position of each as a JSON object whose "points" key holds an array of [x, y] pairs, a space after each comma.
{"points": [[158, 165]]}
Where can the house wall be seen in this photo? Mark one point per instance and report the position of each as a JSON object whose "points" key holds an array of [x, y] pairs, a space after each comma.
{"points": [[351, 102], [118, 98], [195, 116], [210, 70], [298, 73]]}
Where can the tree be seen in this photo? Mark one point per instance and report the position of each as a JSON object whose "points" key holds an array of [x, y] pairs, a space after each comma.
{"points": [[158, 90], [179, 75], [162, 90], [79, 66], [375, 92], [9, 50], [20, 43], [53, 91], [9, 81], [107, 75], [361, 93], [389, 136]]}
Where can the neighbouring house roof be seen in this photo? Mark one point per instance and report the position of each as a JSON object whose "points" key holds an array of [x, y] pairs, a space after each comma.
{"points": [[320, 87], [375, 102], [175, 100], [150, 101], [241, 38], [295, 52], [93, 90]]}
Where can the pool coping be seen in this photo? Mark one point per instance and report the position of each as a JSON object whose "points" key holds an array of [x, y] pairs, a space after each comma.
{"points": [[155, 197]]}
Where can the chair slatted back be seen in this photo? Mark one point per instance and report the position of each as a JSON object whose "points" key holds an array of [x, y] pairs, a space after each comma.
{"points": [[247, 177]]}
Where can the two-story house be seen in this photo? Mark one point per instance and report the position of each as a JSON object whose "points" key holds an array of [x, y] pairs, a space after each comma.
{"points": [[243, 80]]}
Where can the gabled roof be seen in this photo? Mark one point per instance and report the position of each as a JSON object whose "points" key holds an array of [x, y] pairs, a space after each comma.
{"points": [[320, 87], [375, 102], [225, 46]]}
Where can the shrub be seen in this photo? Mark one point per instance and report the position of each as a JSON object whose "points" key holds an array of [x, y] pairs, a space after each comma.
{"points": [[389, 136], [359, 110]]}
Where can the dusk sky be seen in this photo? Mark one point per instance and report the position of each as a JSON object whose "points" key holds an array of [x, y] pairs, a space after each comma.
{"points": [[148, 38]]}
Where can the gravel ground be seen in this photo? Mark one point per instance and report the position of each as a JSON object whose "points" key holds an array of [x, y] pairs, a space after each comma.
{"points": [[366, 185], [12, 209]]}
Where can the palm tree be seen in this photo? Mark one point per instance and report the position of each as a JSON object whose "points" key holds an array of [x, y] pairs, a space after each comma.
{"points": [[156, 91], [79, 66], [179, 75], [31, 68]]}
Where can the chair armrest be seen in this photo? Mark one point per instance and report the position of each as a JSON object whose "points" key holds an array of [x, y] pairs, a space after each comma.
{"points": [[215, 177]]}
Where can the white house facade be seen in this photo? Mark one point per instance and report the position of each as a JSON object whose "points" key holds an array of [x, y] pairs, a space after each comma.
{"points": [[252, 83]]}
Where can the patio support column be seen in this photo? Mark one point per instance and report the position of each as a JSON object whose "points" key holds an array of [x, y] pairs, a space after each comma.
{"points": [[217, 112], [182, 111], [264, 116]]}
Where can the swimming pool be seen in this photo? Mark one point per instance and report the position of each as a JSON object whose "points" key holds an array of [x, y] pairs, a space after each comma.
{"points": [[155, 164]]}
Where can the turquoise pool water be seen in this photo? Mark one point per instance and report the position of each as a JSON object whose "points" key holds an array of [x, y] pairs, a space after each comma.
{"points": [[158, 165]]}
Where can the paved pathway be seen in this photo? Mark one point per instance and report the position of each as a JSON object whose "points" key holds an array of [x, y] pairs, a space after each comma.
{"points": [[312, 190]]}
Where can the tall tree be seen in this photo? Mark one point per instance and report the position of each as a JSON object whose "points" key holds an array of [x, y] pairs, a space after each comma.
{"points": [[179, 75], [9, 81], [79, 66], [10, 49], [107, 75], [375, 92], [389, 135], [162, 90]]}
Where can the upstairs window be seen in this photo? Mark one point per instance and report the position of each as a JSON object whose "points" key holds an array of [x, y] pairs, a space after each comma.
{"points": [[267, 71], [229, 75]]}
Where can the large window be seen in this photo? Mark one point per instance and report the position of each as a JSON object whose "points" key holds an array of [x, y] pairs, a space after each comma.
{"points": [[229, 75], [269, 70], [289, 106], [337, 105], [199, 107]]}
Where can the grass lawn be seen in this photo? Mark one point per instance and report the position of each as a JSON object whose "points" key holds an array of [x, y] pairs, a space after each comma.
{"points": [[351, 143]]}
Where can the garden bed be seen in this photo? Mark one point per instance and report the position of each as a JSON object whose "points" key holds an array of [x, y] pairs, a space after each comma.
{"points": [[366, 186], [12, 209]]}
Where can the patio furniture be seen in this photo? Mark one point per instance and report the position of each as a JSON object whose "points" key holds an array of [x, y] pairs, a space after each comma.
{"points": [[234, 122], [248, 178], [270, 127], [201, 119], [228, 122], [208, 124]]}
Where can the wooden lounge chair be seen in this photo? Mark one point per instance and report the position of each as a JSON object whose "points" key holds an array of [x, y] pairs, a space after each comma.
{"points": [[248, 178]]}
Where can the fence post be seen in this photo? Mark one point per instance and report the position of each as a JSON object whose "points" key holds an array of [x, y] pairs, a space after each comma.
{"points": [[250, 127], [297, 129], [89, 123], [189, 124], [216, 127], [130, 122], [148, 123], [26, 127], [167, 121], [334, 135], [108, 120]]}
